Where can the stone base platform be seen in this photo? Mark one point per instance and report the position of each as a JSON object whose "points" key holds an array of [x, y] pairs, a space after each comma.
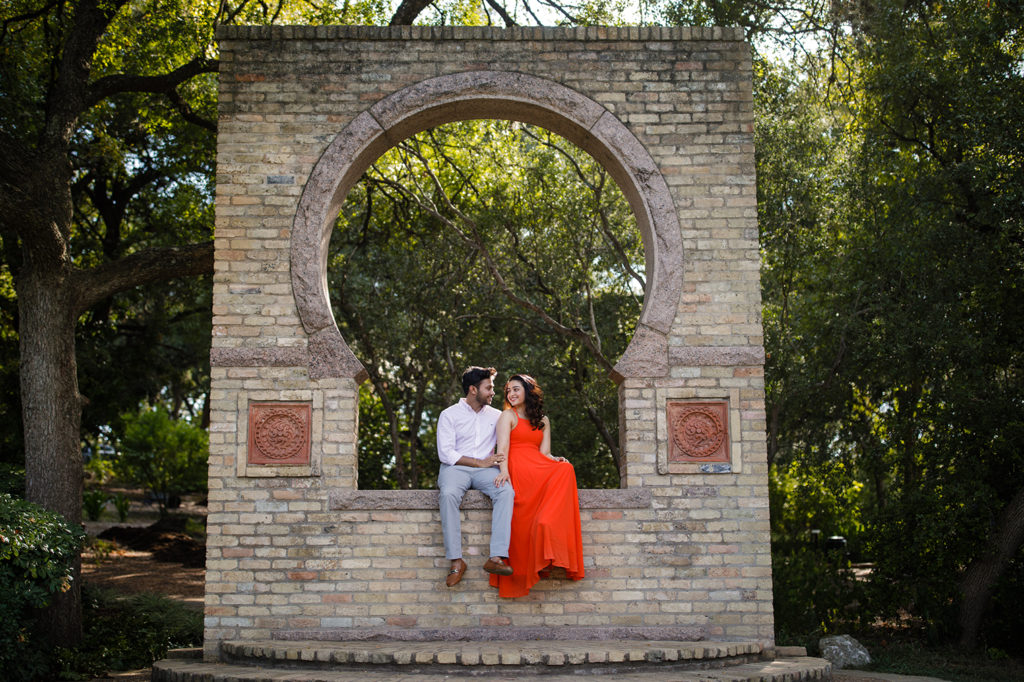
{"points": [[555, 661]]}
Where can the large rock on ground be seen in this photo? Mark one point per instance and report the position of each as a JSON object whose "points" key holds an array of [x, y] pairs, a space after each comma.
{"points": [[843, 651]]}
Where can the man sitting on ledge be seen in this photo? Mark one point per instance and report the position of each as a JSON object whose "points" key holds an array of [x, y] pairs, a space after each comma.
{"points": [[465, 446]]}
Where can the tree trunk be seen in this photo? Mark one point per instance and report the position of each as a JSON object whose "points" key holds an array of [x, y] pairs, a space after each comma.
{"points": [[52, 413], [984, 572]]}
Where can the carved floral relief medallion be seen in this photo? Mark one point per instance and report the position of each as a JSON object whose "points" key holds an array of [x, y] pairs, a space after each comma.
{"points": [[698, 431], [279, 433]]}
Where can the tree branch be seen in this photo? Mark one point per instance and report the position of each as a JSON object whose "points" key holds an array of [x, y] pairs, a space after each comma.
{"points": [[143, 267], [28, 16], [188, 114], [496, 6], [564, 12], [69, 97], [408, 11], [472, 239], [983, 573], [163, 84]]}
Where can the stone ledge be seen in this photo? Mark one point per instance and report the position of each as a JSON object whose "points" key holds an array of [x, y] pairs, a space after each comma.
{"points": [[604, 634], [259, 357], [489, 33], [377, 500], [716, 356]]}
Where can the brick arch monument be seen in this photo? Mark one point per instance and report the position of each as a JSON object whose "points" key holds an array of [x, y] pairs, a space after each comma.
{"points": [[295, 550]]}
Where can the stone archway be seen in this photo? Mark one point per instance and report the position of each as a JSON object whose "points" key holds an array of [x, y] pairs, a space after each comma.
{"points": [[295, 550], [474, 95]]}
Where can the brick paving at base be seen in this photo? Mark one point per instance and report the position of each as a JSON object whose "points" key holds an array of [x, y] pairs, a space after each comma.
{"points": [[773, 671], [435, 661], [488, 653]]}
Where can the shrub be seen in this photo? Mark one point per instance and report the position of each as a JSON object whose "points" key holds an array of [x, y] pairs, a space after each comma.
{"points": [[815, 594], [12, 480], [126, 633], [99, 470], [93, 502], [122, 503], [165, 455], [37, 554]]}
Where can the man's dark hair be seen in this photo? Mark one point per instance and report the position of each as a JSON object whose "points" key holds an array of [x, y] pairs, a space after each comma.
{"points": [[474, 375]]}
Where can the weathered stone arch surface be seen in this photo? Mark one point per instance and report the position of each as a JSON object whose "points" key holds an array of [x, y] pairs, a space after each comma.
{"points": [[294, 549], [480, 95]]}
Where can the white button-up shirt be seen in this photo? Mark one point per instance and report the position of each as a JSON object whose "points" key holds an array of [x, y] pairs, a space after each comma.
{"points": [[464, 432]]}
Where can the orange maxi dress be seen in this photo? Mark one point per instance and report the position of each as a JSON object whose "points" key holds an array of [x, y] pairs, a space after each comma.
{"points": [[545, 517]]}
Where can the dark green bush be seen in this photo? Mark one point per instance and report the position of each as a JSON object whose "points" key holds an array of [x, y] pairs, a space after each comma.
{"points": [[165, 455], [12, 480], [122, 503], [93, 503], [127, 633], [37, 554], [815, 594]]}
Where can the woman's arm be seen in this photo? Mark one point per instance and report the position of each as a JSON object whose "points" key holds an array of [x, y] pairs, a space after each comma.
{"points": [[503, 429], [545, 443]]}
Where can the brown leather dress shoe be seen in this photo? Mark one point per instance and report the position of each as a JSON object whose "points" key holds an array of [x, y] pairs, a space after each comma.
{"points": [[455, 575], [498, 567]]}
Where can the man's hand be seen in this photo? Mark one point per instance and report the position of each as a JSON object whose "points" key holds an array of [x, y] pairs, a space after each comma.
{"points": [[494, 460]]}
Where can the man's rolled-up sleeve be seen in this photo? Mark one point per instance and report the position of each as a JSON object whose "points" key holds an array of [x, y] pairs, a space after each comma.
{"points": [[446, 451]]}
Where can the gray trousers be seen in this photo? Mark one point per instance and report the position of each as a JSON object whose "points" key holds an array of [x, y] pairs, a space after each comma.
{"points": [[454, 481]]}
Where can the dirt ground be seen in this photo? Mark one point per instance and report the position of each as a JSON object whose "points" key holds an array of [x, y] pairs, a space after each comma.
{"points": [[149, 554], [132, 571]]}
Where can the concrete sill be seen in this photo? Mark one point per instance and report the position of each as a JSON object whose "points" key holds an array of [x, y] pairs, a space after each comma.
{"points": [[352, 500]]}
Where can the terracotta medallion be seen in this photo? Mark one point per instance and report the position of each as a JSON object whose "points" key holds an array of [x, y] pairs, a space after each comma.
{"points": [[698, 431], [279, 433]]}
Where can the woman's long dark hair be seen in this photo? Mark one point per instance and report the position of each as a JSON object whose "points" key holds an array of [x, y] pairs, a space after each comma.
{"points": [[533, 404]]}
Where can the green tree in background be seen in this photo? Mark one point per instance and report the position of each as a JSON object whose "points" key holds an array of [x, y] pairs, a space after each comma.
{"points": [[487, 242], [891, 172], [165, 455], [943, 136], [107, 115]]}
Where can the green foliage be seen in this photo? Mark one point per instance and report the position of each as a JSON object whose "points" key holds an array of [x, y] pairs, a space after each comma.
{"points": [[522, 255], [93, 503], [12, 480], [816, 594], [891, 172], [37, 554], [901, 651], [165, 455], [126, 633], [99, 470], [806, 496], [195, 528], [100, 549], [815, 588], [122, 503]]}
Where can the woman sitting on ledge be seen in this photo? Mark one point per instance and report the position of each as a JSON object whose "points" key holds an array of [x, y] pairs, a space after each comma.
{"points": [[546, 512]]}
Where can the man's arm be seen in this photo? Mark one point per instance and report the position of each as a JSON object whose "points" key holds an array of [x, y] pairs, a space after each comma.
{"points": [[447, 453], [479, 463]]}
